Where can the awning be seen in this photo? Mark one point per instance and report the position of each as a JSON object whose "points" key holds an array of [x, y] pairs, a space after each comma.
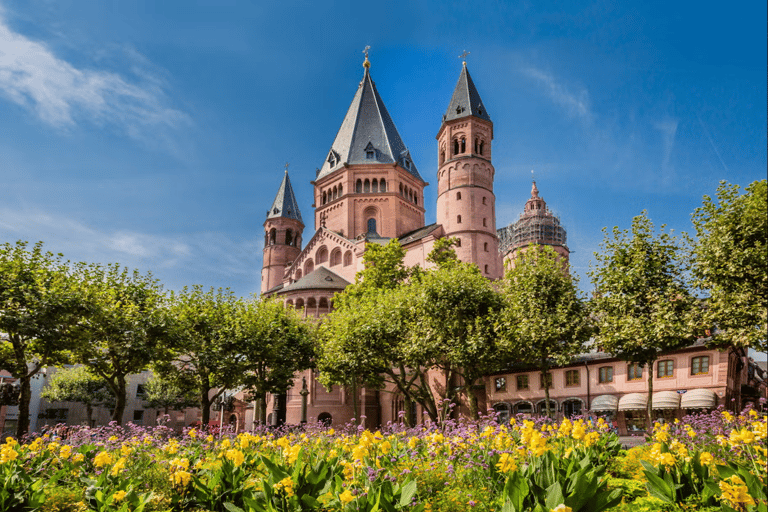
{"points": [[604, 403], [633, 402], [699, 398], [666, 400]]}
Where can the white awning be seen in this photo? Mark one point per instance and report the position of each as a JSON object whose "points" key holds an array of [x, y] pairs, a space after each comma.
{"points": [[666, 400], [699, 398], [604, 403], [633, 402]]}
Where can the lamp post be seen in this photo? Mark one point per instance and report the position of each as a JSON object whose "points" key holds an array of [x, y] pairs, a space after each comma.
{"points": [[304, 393]]}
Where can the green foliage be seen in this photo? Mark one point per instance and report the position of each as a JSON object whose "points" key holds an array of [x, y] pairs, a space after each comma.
{"points": [[78, 385], [731, 265], [643, 305], [543, 319], [168, 395]]}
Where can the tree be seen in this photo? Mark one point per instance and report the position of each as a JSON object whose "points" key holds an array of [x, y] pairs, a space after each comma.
{"points": [[167, 395], [642, 304], [450, 327], [79, 385], [126, 325], [272, 344], [39, 307], [201, 355], [730, 263], [544, 320]]}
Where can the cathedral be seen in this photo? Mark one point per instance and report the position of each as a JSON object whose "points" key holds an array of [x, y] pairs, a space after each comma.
{"points": [[369, 190]]}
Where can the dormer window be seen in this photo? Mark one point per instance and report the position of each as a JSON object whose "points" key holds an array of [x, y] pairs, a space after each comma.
{"points": [[370, 155]]}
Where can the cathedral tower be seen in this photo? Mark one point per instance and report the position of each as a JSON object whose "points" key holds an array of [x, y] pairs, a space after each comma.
{"points": [[368, 183], [282, 236], [465, 200]]}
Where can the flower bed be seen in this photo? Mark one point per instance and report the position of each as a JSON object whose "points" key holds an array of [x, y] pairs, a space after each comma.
{"points": [[716, 460]]}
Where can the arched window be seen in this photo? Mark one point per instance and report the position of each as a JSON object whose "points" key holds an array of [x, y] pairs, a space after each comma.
{"points": [[309, 266], [335, 257], [288, 237], [266, 238], [297, 276], [486, 269], [323, 303], [458, 219], [375, 186], [416, 198], [458, 242], [272, 236], [477, 145], [372, 225], [335, 192], [311, 303], [359, 186], [324, 198], [456, 146], [484, 201], [289, 302], [463, 145], [366, 186], [401, 189], [481, 147], [410, 195], [322, 255], [341, 190], [347, 258], [382, 185], [458, 196], [485, 246], [442, 157], [485, 222]]}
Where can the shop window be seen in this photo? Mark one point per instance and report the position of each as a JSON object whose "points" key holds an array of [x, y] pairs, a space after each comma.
{"points": [[634, 371], [605, 374], [700, 365], [501, 384], [635, 420], [665, 369], [572, 378], [522, 382]]}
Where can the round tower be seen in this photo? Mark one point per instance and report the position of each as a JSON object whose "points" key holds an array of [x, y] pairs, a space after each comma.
{"points": [[466, 204], [536, 226], [282, 236]]}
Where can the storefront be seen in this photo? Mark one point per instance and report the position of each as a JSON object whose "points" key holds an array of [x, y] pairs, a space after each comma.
{"points": [[633, 411]]}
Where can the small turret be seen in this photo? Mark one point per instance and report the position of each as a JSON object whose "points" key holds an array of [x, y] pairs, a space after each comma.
{"points": [[282, 235]]}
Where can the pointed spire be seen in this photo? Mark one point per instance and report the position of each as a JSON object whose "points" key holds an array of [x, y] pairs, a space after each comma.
{"points": [[534, 190], [285, 204], [465, 100], [367, 135]]}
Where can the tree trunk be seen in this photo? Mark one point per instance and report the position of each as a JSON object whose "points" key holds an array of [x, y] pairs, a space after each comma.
{"points": [[263, 409], [25, 395], [649, 426], [89, 413], [117, 415], [544, 375], [205, 405], [409, 418], [471, 398]]}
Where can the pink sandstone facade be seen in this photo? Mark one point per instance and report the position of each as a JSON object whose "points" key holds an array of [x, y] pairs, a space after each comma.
{"points": [[369, 190]]}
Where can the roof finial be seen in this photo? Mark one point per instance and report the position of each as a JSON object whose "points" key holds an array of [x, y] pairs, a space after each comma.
{"points": [[367, 63], [286, 167], [534, 188], [463, 57]]}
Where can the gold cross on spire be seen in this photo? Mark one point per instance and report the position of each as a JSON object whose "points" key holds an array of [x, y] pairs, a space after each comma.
{"points": [[463, 57], [366, 64], [286, 167]]}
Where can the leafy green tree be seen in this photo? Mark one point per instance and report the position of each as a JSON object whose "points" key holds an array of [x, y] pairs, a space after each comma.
{"points": [[39, 306], [202, 355], [79, 385], [272, 344], [450, 324], [126, 325], [167, 395], [731, 265], [544, 320], [643, 305]]}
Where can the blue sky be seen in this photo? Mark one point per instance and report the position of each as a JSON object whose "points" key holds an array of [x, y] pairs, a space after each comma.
{"points": [[154, 134]]}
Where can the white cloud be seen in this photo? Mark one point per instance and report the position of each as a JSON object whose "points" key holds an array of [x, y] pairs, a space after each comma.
{"points": [[576, 104], [61, 95], [208, 258], [668, 129]]}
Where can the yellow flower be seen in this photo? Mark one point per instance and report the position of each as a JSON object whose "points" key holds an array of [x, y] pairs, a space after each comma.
{"points": [[102, 459], [562, 508], [192, 433], [78, 457], [506, 463], [346, 497], [744, 436], [330, 432], [119, 466], [286, 484], [236, 456], [125, 450], [225, 444], [385, 447], [7, 453], [181, 478], [293, 453], [119, 496], [112, 439], [65, 452], [705, 458], [735, 492]]}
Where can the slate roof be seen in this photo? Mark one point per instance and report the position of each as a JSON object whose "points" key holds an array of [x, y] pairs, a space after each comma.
{"points": [[367, 127], [417, 234], [285, 204], [320, 279], [465, 100]]}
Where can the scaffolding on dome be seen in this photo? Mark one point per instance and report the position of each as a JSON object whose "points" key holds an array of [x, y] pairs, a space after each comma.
{"points": [[542, 229]]}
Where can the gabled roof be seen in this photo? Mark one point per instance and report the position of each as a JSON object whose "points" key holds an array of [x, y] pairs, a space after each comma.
{"points": [[320, 279], [417, 234], [285, 204], [367, 127], [465, 100]]}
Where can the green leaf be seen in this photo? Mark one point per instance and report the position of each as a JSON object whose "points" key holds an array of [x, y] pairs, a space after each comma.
{"points": [[232, 508], [554, 495], [658, 488], [407, 492]]}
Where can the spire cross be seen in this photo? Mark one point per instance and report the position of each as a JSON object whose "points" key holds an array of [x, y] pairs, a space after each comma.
{"points": [[286, 167], [365, 51], [463, 57]]}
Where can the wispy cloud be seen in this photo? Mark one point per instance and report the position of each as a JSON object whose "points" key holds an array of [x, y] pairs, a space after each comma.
{"points": [[61, 95], [668, 129], [207, 258], [576, 104]]}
